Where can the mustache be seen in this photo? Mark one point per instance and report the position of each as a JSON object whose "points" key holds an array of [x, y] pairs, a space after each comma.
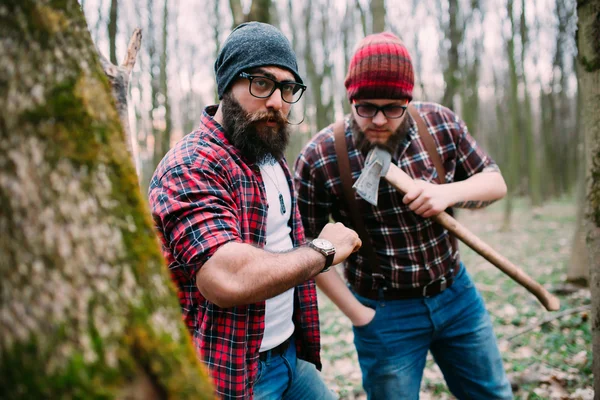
{"points": [[267, 116]]}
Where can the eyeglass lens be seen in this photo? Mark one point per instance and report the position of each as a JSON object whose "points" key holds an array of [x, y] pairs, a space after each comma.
{"points": [[264, 87], [370, 110]]}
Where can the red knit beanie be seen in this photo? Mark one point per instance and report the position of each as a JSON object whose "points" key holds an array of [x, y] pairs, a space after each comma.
{"points": [[381, 68]]}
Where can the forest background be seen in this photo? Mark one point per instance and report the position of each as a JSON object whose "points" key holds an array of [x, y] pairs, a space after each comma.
{"points": [[507, 67]]}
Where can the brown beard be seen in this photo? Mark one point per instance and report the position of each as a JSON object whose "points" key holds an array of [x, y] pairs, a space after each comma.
{"points": [[364, 146], [256, 142]]}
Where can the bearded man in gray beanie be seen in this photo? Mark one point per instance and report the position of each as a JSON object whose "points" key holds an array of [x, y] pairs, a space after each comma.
{"points": [[227, 216]]}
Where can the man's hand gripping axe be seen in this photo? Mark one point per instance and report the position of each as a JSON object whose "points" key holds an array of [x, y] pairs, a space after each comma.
{"points": [[378, 165]]}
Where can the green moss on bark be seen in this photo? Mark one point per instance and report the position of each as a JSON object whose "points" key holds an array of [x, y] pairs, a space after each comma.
{"points": [[85, 284]]}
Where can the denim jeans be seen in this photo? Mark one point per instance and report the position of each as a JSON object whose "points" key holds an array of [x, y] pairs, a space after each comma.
{"points": [[454, 325], [287, 377]]}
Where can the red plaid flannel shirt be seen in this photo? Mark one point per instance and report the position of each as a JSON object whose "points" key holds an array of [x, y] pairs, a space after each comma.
{"points": [[412, 251], [203, 195]]}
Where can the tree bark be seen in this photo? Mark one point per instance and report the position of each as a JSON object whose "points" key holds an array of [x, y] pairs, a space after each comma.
{"points": [[578, 268], [87, 309], [588, 45]]}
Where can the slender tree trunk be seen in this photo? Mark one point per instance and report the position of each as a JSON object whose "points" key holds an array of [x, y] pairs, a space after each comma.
{"points": [[378, 15], [260, 11], [526, 120], [452, 73], [237, 12], [112, 30], [316, 79], [589, 59], [162, 142], [470, 85], [87, 307], [514, 156], [363, 18], [347, 28]]}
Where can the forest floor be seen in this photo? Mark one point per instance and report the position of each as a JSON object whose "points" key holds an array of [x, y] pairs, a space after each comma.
{"points": [[552, 360]]}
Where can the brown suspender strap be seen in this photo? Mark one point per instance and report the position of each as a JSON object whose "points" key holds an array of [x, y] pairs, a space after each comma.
{"points": [[429, 143], [341, 150]]}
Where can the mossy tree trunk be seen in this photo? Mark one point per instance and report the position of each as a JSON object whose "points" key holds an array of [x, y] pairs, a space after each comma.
{"points": [[87, 309], [588, 45]]}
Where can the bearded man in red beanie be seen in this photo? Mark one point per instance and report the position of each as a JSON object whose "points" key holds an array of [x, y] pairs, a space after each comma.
{"points": [[411, 293]]}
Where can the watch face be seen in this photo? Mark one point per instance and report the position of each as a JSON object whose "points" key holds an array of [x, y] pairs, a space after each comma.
{"points": [[323, 244]]}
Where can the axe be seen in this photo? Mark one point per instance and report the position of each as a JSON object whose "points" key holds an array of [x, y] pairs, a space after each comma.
{"points": [[378, 164]]}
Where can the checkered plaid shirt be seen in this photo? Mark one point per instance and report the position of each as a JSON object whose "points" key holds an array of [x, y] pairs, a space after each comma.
{"points": [[203, 195], [412, 251]]}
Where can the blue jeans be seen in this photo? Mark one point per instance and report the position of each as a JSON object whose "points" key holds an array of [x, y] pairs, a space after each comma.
{"points": [[287, 377], [454, 325]]}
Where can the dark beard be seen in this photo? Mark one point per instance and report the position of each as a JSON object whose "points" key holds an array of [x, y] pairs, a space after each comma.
{"points": [[256, 143], [364, 146]]}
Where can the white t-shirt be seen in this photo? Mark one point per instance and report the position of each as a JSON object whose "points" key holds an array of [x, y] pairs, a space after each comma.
{"points": [[279, 309]]}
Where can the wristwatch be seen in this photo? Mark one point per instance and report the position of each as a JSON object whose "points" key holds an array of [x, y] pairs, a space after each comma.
{"points": [[326, 248]]}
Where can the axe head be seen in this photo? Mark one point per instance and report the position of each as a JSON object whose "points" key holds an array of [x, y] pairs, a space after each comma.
{"points": [[376, 166]]}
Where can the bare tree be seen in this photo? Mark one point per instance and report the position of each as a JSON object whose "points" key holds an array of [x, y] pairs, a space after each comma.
{"points": [[323, 107], [112, 30], [260, 10], [589, 60], [377, 15], [363, 18], [87, 308], [511, 167], [162, 140], [530, 148], [452, 73], [471, 60]]}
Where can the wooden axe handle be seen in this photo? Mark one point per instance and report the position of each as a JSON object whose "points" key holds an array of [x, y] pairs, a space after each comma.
{"points": [[404, 183]]}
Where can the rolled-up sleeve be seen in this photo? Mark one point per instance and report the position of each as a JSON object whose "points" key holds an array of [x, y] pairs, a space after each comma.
{"points": [[195, 212]]}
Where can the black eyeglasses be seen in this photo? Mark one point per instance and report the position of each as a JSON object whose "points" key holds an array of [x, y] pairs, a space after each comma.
{"points": [[391, 111], [263, 87]]}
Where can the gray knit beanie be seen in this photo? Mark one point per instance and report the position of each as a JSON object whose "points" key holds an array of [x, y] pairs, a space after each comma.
{"points": [[252, 45]]}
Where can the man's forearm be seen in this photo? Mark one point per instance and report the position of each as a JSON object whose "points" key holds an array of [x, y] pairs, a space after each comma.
{"points": [[334, 287], [479, 190], [242, 274]]}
